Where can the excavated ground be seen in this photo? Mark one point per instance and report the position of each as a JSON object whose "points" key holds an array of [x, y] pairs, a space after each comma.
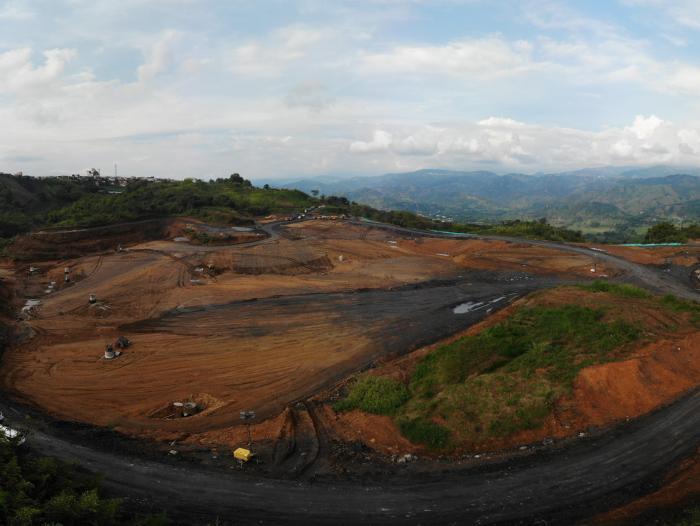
{"points": [[265, 325], [275, 325], [257, 326], [686, 255], [663, 366]]}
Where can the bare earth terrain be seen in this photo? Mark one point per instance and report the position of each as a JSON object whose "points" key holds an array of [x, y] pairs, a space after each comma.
{"points": [[278, 320]]}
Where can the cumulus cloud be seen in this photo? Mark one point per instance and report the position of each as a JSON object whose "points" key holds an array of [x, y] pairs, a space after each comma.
{"points": [[381, 141], [517, 145], [645, 127], [17, 72]]}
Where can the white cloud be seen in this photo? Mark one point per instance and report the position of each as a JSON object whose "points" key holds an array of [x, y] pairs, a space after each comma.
{"points": [[484, 58], [339, 86], [683, 12], [516, 145], [281, 49], [645, 127], [17, 72], [14, 10], [159, 56], [381, 141]]}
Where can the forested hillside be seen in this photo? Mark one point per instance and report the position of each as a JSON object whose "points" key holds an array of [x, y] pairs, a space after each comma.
{"points": [[27, 202], [606, 204]]}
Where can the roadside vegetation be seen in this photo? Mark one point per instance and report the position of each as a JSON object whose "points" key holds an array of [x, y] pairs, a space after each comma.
{"points": [[508, 377], [42, 490], [539, 229], [666, 232]]}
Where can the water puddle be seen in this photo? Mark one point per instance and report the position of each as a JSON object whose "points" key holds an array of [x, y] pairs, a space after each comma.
{"points": [[469, 306]]}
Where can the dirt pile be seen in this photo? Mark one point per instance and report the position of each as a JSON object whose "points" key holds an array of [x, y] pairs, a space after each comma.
{"points": [[662, 366], [283, 257], [73, 243]]}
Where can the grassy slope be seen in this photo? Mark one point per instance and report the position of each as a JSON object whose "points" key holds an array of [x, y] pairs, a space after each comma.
{"points": [[506, 378]]}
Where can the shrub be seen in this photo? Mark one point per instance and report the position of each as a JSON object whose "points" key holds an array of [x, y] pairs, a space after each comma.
{"points": [[424, 431], [618, 289], [375, 394]]}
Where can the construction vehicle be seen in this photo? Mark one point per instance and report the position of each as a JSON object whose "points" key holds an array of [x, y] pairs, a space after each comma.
{"points": [[110, 353], [92, 299], [122, 342], [243, 455]]}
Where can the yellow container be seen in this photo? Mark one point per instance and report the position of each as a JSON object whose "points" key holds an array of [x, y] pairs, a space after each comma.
{"points": [[243, 454]]}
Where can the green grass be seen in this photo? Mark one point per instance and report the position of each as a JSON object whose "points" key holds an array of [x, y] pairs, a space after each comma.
{"points": [[374, 394], [495, 383], [680, 305], [618, 289], [423, 431], [534, 338], [506, 378]]}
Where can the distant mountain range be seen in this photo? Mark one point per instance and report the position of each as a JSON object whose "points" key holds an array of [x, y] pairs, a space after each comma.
{"points": [[593, 200]]}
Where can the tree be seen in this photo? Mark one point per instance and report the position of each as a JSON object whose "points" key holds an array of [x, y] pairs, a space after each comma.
{"points": [[664, 232], [314, 193], [238, 180]]}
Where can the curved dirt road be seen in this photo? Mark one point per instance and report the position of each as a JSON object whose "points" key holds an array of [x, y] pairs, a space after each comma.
{"points": [[557, 486], [657, 280], [574, 482]]}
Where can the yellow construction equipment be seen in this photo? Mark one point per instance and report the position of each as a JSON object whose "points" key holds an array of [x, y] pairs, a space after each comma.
{"points": [[242, 454]]}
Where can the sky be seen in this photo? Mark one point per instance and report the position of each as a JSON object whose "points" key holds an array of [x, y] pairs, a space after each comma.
{"points": [[280, 89]]}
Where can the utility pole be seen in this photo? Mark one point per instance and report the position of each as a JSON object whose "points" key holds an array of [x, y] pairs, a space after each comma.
{"points": [[247, 417]]}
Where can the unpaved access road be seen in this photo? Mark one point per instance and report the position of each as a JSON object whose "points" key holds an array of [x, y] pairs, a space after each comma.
{"points": [[655, 279], [557, 486]]}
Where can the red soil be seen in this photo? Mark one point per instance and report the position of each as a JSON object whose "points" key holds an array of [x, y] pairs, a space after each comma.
{"points": [[643, 379]]}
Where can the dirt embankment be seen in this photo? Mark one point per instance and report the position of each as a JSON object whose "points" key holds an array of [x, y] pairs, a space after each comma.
{"points": [[679, 488], [68, 243], [662, 366], [73, 243], [6, 306], [686, 255], [272, 323]]}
